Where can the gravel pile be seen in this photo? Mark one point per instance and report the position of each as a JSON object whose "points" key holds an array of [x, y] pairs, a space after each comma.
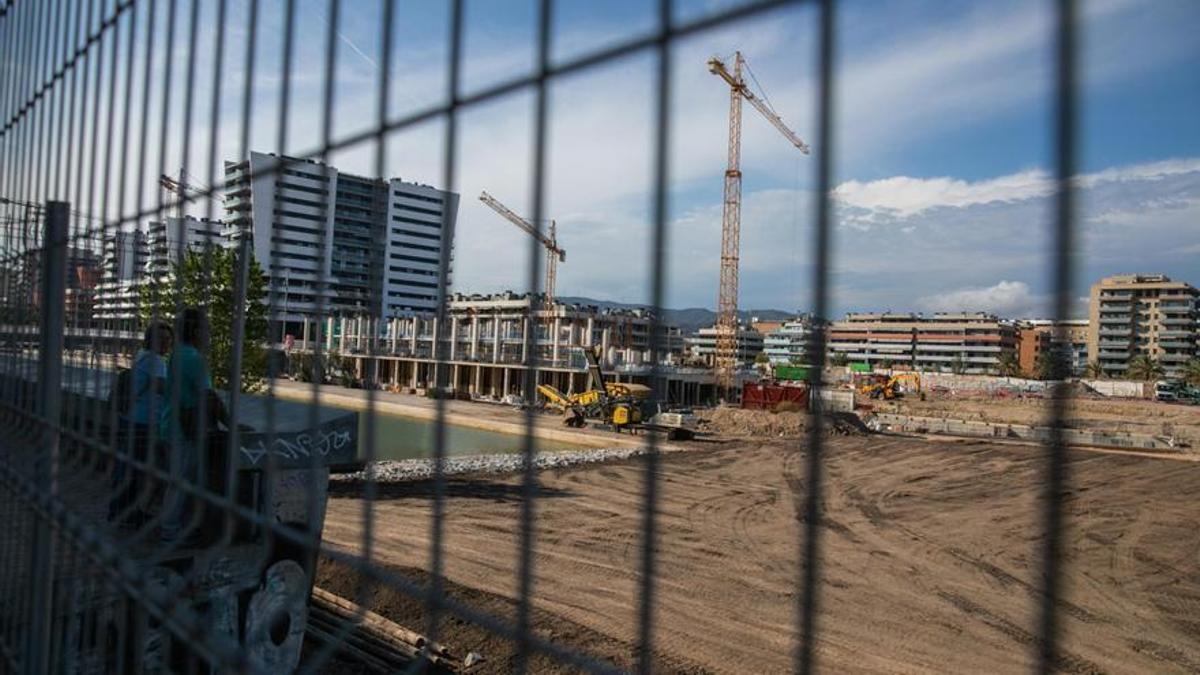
{"points": [[398, 471]]}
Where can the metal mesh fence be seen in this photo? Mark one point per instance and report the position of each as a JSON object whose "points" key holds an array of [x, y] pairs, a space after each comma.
{"points": [[132, 545]]}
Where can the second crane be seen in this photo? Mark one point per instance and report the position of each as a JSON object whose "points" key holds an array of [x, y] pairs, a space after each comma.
{"points": [[554, 253]]}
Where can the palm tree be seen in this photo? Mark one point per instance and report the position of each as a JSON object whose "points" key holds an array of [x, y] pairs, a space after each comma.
{"points": [[1144, 368], [1095, 371], [1191, 372], [1008, 364]]}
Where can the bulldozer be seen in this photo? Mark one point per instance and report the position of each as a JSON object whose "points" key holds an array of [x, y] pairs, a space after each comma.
{"points": [[888, 388], [618, 404]]}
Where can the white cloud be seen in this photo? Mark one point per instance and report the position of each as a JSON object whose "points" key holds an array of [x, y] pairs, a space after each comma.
{"points": [[1007, 298], [899, 197], [955, 250], [905, 196]]}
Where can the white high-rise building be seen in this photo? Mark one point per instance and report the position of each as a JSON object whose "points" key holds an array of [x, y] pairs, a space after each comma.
{"points": [[131, 258], [334, 243], [788, 343], [167, 241], [122, 262]]}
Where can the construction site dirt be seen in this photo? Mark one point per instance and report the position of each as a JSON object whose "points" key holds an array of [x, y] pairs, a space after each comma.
{"points": [[928, 558]]}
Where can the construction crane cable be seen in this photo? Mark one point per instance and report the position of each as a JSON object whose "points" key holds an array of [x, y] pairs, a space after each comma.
{"points": [[762, 93]]}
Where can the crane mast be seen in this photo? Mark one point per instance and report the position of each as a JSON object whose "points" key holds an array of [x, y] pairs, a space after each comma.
{"points": [[554, 253], [731, 217]]}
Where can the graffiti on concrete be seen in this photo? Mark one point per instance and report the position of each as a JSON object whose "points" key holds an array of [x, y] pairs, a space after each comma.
{"points": [[328, 444]]}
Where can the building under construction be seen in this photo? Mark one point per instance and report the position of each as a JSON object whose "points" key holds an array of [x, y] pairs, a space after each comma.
{"points": [[484, 345]]}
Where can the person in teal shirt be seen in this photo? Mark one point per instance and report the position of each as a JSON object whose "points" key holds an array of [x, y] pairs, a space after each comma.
{"points": [[189, 384], [189, 389]]}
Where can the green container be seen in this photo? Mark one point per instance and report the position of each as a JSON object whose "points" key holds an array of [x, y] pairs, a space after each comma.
{"points": [[791, 373], [860, 367]]}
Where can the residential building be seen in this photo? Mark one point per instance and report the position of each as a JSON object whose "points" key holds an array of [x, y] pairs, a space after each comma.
{"points": [[83, 279], [702, 346], [1149, 315], [122, 263], [131, 258], [1041, 334], [765, 326], [333, 243], [789, 343], [168, 240], [1032, 344], [968, 342]]}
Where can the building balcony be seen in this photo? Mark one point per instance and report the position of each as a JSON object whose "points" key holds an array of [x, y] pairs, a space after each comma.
{"points": [[1115, 332], [1174, 333], [1178, 321], [1115, 318], [1176, 358]]}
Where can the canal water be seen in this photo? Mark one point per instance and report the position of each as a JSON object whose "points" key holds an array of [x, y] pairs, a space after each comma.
{"points": [[399, 437]]}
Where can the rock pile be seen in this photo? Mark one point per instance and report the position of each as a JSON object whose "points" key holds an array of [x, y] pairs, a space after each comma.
{"points": [[396, 471]]}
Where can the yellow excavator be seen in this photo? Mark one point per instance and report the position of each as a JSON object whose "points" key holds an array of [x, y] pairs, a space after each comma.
{"points": [[887, 388], [616, 403]]}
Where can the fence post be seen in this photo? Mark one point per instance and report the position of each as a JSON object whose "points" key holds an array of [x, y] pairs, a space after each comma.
{"points": [[50, 366]]}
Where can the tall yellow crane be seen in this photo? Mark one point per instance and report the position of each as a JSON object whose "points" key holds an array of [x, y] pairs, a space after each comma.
{"points": [[554, 253], [731, 226]]}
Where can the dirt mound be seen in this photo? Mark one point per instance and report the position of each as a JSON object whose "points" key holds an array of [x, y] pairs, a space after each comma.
{"points": [[740, 423], [753, 423], [846, 424]]}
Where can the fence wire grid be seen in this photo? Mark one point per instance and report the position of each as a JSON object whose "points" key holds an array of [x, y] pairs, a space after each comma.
{"points": [[100, 583]]}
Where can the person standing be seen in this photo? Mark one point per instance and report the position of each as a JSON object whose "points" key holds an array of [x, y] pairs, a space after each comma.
{"points": [[146, 399], [194, 410]]}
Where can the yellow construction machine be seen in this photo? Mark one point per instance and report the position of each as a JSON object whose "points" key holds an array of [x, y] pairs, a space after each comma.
{"points": [[888, 388], [616, 403]]}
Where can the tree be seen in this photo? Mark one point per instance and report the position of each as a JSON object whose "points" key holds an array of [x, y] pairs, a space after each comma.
{"points": [[1051, 365], [1095, 371], [1191, 372], [1144, 368], [762, 359], [1008, 364], [958, 366], [839, 359], [208, 279]]}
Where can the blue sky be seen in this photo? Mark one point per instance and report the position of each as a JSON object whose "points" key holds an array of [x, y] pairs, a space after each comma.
{"points": [[942, 142]]}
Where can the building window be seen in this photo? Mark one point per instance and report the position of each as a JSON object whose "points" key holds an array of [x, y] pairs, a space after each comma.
{"points": [[423, 198]]}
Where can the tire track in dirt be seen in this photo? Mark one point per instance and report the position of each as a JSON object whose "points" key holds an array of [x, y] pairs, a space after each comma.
{"points": [[1064, 661]]}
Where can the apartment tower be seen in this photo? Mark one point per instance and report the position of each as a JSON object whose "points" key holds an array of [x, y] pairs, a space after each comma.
{"points": [[1142, 315], [333, 243]]}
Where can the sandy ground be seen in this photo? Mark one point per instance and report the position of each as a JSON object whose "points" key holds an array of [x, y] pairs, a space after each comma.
{"points": [[929, 558], [1138, 416]]}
